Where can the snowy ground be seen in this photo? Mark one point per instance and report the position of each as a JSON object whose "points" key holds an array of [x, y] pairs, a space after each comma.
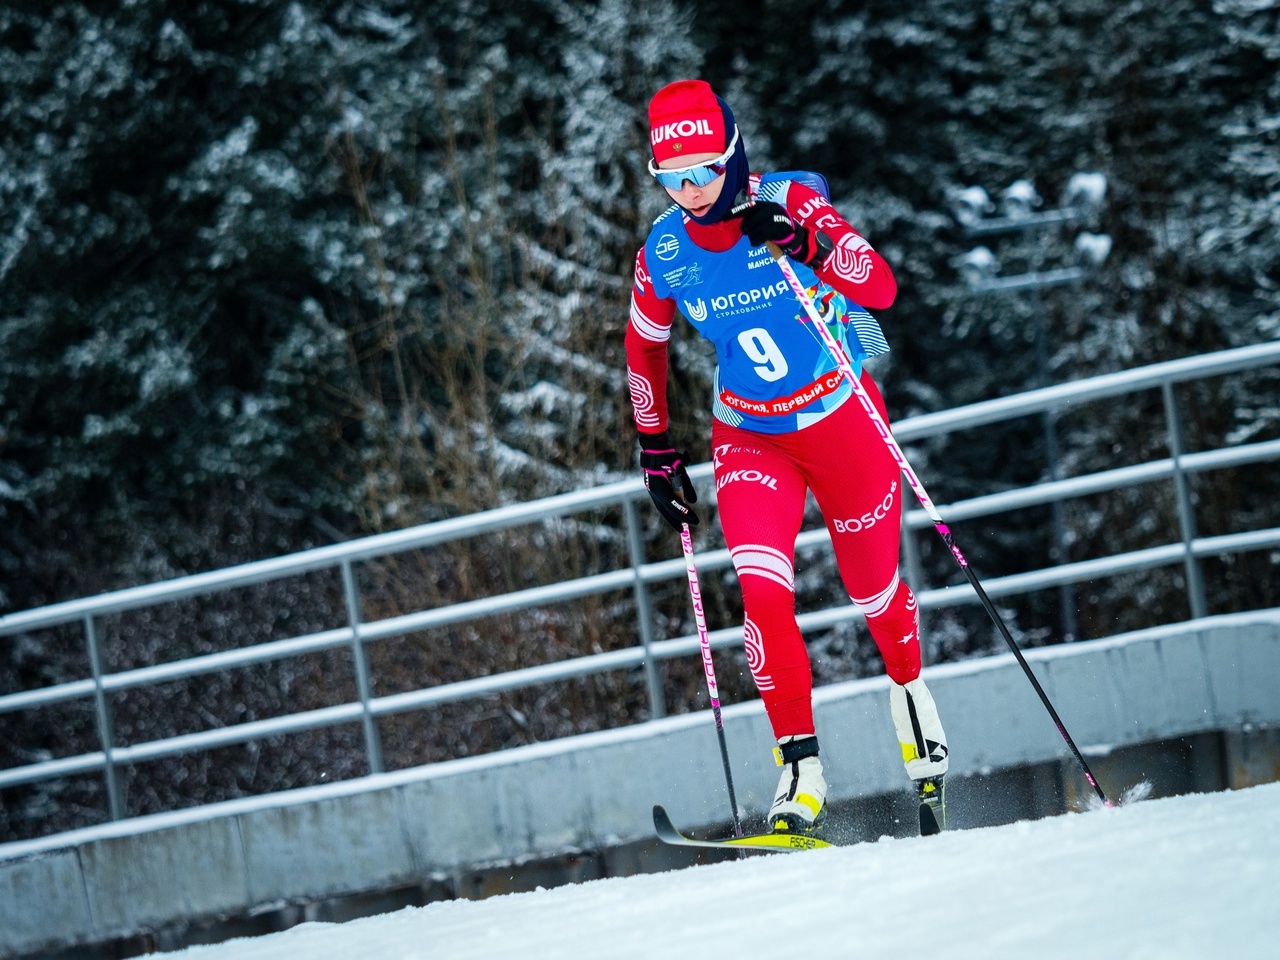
{"points": [[1187, 877]]}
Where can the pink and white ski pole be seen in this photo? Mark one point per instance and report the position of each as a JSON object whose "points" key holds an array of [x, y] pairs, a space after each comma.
{"points": [[842, 361], [709, 668]]}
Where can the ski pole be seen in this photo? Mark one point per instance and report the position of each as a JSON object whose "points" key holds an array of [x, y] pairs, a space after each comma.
{"points": [[842, 361], [709, 668]]}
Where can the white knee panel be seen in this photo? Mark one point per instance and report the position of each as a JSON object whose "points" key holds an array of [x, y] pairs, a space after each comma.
{"points": [[877, 604], [758, 560]]}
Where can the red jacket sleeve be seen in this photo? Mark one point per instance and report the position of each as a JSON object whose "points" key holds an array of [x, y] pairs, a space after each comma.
{"points": [[648, 332], [852, 267]]}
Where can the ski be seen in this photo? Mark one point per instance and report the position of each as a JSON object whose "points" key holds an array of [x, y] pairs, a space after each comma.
{"points": [[776, 842], [933, 807]]}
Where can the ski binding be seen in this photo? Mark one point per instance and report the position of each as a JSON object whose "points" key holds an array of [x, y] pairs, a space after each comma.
{"points": [[933, 810]]}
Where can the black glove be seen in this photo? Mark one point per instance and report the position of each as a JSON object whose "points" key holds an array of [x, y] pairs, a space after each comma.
{"points": [[768, 222], [663, 472]]}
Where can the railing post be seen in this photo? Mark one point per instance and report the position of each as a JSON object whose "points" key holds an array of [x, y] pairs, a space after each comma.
{"points": [[115, 800], [372, 742], [1186, 510], [911, 560], [657, 702], [1057, 517]]}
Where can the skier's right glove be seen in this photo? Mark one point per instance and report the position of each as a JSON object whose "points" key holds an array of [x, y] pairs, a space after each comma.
{"points": [[667, 480]]}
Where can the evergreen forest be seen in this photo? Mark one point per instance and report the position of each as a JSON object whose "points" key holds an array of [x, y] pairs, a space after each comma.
{"points": [[276, 274]]}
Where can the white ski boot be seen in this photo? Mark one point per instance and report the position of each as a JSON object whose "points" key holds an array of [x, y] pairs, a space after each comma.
{"points": [[802, 790], [924, 749]]}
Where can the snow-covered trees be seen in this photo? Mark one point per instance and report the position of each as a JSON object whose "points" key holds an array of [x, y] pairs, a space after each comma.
{"points": [[354, 258]]}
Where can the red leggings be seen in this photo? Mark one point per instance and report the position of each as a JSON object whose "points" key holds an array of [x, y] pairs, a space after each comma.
{"points": [[761, 481]]}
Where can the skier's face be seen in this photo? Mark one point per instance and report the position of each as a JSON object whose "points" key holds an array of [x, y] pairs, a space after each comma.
{"points": [[696, 200]]}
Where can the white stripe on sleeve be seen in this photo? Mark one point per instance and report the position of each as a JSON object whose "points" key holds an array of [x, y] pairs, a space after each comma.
{"points": [[654, 332]]}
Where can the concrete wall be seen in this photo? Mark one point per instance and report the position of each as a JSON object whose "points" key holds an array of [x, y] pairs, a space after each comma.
{"points": [[596, 791]]}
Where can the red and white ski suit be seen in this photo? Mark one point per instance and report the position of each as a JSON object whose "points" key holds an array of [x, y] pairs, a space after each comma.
{"points": [[761, 479]]}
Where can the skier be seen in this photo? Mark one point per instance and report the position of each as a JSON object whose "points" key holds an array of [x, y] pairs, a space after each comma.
{"points": [[782, 420]]}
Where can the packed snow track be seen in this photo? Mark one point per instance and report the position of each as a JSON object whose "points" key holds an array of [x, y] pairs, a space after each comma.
{"points": [[1183, 877]]}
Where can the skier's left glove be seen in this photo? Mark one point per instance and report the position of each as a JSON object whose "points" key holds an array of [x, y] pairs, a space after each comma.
{"points": [[663, 472], [768, 222]]}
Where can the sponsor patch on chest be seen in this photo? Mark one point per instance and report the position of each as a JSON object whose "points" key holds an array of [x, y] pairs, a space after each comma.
{"points": [[744, 301]]}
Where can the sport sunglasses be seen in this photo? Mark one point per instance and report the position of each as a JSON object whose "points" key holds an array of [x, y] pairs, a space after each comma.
{"points": [[700, 174]]}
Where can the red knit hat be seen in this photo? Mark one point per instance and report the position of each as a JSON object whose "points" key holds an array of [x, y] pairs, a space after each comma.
{"points": [[685, 118]]}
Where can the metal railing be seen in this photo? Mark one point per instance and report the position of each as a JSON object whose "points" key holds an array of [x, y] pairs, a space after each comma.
{"points": [[637, 577]]}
